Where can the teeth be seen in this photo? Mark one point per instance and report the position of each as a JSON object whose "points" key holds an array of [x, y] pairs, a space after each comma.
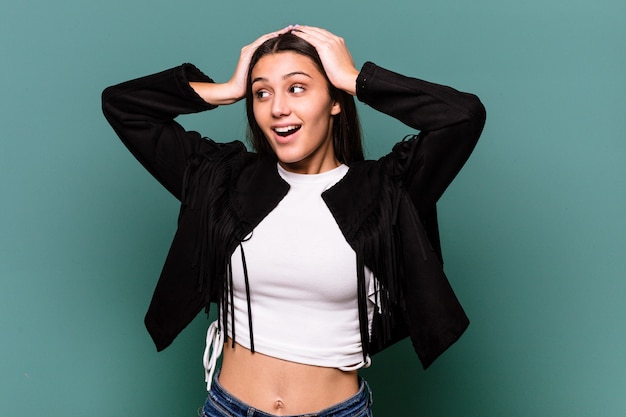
{"points": [[285, 129]]}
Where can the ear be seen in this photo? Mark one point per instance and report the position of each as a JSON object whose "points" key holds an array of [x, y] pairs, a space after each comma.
{"points": [[335, 108]]}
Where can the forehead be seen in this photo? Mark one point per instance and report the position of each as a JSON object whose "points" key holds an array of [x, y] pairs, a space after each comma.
{"points": [[280, 64]]}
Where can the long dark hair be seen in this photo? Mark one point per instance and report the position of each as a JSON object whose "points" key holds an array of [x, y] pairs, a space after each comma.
{"points": [[346, 129]]}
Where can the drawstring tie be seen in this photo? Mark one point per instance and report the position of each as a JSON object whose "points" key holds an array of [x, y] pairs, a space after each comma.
{"points": [[363, 364], [212, 352]]}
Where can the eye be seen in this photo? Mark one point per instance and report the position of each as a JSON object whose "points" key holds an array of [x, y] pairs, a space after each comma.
{"points": [[261, 94], [296, 89]]}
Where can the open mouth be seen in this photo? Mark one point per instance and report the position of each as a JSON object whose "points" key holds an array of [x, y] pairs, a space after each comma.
{"points": [[284, 131]]}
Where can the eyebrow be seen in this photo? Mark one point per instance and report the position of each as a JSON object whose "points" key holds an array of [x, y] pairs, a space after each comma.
{"points": [[286, 76]]}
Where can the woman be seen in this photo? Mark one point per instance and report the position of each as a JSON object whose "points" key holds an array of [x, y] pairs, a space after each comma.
{"points": [[316, 258]]}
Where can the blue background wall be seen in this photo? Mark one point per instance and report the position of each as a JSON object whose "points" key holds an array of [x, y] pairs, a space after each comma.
{"points": [[534, 228]]}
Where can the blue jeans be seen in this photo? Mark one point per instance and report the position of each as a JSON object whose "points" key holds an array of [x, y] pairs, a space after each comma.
{"points": [[220, 403]]}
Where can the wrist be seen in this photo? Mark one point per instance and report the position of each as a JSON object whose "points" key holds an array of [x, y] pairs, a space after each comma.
{"points": [[217, 94], [350, 82]]}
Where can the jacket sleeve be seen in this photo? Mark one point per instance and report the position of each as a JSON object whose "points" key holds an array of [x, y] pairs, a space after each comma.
{"points": [[449, 122], [142, 113]]}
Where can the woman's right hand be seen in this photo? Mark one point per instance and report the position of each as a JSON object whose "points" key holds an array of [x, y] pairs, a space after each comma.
{"points": [[235, 89]]}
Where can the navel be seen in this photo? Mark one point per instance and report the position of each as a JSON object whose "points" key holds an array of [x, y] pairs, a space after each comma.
{"points": [[279, 405]]}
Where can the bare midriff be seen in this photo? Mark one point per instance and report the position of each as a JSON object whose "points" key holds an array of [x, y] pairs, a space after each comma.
{"points": [[282, 387]]}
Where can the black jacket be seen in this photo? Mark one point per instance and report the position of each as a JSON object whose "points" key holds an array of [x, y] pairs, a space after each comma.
{"points": [[385, 209]]}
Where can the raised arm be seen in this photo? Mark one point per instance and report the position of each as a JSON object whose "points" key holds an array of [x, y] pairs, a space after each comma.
{"points": [[450, 123], [142, 113]]}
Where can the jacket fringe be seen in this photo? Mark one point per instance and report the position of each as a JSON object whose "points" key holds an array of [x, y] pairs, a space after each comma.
{"points": [[380, 244], [218, 228]]}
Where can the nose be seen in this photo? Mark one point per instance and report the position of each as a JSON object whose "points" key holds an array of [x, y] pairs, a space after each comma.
{"points": [[280, 106]]}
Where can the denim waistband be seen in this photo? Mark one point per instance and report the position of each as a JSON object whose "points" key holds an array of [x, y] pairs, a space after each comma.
{"points": [[222, 403]]}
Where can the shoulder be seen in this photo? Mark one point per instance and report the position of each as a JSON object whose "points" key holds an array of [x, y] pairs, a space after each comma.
{"points": [[216, 151], [211, 167], [395, 166]]}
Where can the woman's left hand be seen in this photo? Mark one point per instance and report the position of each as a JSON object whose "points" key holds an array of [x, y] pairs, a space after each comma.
{"points": [[334, 54]]}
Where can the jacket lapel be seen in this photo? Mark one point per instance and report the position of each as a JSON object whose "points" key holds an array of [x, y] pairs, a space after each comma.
{"points": [[257, 192]]}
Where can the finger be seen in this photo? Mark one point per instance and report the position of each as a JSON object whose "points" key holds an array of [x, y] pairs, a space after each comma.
{"points": [[324, 42], [263, 38], [315, 31], [319, 42], [248, 50], [321, 39], [271, 35], [309, 35], [315, 34]]}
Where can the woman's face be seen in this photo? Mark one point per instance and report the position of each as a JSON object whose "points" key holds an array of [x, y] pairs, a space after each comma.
{"points": [[293, 108]]}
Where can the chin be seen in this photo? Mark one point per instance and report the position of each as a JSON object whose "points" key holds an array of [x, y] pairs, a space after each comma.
{"points": [[289, 158], [289, 161]]}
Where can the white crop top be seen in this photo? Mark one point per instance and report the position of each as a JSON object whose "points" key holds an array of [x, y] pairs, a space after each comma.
{"points": [[302, 281]]}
